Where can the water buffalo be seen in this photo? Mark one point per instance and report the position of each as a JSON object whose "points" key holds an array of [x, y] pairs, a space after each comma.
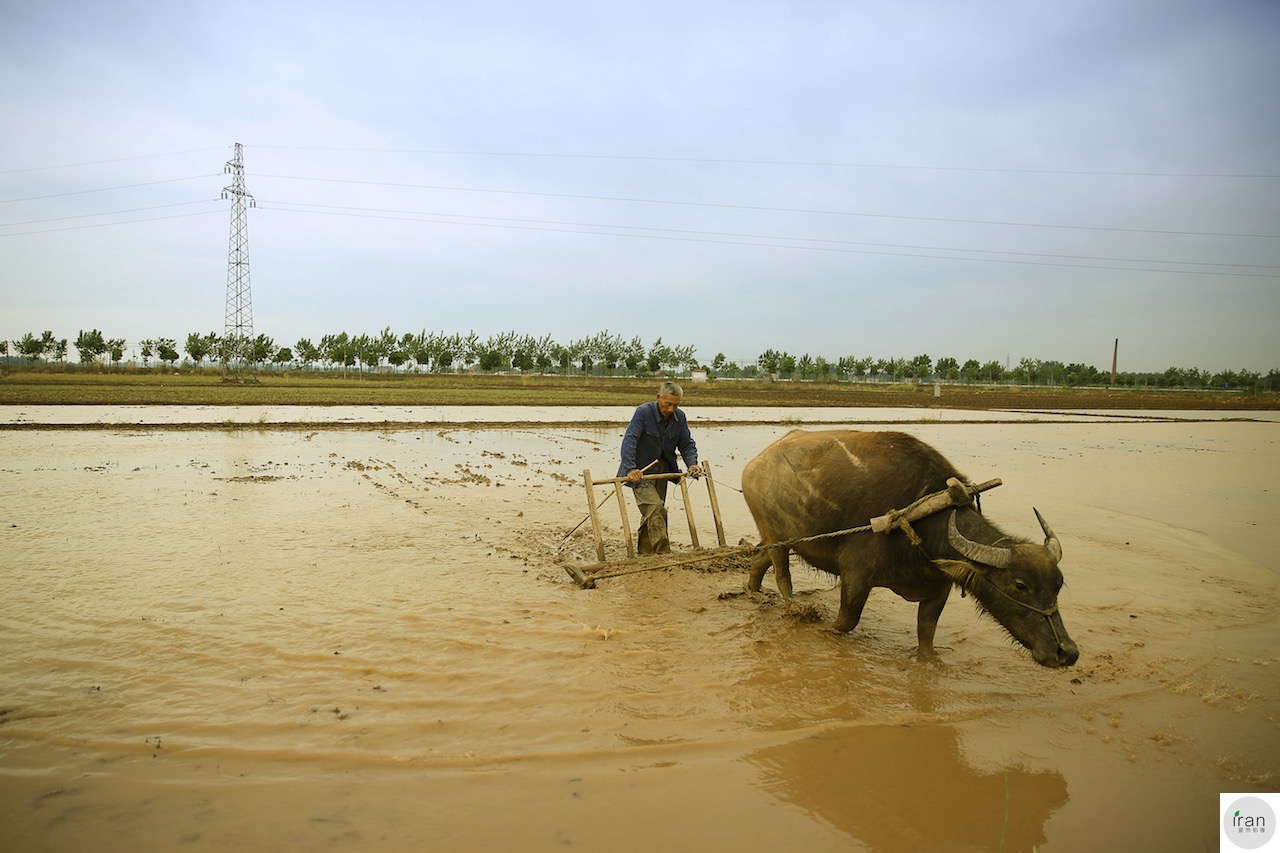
{"points": [[809, 483]]}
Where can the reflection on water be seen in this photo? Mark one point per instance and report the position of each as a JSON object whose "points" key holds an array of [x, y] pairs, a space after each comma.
{"points": [[910, 788]]}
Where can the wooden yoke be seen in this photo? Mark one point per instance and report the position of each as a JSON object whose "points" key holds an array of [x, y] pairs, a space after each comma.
{"points": [[955, 494]]}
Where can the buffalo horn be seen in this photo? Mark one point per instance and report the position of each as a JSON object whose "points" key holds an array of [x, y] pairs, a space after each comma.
{"points": [[987, 554], [1050, 540]]}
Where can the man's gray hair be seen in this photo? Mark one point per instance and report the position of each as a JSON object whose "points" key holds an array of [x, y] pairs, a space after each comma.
{"points": [[670, 389]]}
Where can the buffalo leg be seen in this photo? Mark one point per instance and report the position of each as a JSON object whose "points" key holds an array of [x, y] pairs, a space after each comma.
{"points": [[782, 570], [927, 620], [780, 559], [759, 565], [854, 590]]}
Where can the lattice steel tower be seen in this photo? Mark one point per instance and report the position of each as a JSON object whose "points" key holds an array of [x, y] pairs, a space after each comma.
{"points": [[237, 340]]}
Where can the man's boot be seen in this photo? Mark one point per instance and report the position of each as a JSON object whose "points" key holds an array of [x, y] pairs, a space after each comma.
{"points": [[643, 546], [658, 532]]}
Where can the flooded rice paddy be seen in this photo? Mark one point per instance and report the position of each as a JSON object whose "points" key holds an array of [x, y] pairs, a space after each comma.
{"points": [[340, 638]]}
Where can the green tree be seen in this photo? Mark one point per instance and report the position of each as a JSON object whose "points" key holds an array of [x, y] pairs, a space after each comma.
{"points": [[607, 349], [384, 345], [1028, 371], [198, 346], [684, 357], [544, 353], [584, 353], [308, 353], [659, 354], [1084, 374], [1053, 372], [363, 348], [524, 353], [422, 348], [447, 350], [633, 355], [920, 367], [33, 348], [29, 346], [91, 345], [469, 350], [492, 359], [167, 350], [787, 364], [261, 349], [562, 356], [328, 347]]}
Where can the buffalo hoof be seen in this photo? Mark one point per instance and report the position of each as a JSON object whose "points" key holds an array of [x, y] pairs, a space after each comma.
{"points": [[928, 656]]}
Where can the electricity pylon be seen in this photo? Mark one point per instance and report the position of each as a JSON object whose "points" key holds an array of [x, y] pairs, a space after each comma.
{"points": [[237, 340]]}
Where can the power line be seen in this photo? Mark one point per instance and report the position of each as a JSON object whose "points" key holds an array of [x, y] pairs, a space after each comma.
{"points": [[763, 162], [728, 242], [769, 209], [751, 239], [108, 224], [105, 189], [104, 213], [296, 207], [103, 162]]}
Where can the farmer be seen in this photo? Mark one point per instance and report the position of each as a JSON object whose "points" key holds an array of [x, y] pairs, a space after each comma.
{"points": [[657, 430]]}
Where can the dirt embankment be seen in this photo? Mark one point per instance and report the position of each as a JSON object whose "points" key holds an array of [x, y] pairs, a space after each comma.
{"points": [[960, 397], [36, 387]]}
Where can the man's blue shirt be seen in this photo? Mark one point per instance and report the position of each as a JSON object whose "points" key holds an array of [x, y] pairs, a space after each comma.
{"points": [[648, 438]]}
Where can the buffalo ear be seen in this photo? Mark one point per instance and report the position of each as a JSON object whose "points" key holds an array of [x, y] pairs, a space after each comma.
{"points": [[962, 573]]}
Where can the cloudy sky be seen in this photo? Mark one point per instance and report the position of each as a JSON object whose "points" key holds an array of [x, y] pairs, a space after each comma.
{"points": [[989, 180]]}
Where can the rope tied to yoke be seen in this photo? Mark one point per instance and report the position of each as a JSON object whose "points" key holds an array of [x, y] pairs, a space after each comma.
{"points": [[959, 494], [905, 526]]}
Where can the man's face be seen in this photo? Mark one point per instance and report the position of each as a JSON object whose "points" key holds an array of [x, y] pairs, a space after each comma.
{"points": [[668, 403]]}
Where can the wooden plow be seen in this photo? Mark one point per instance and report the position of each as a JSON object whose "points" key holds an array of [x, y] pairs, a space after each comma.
{"points": [[956, 494], [587, 574]]}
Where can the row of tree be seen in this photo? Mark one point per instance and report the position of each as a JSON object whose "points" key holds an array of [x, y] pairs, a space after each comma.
{"points": [[603, 353]]}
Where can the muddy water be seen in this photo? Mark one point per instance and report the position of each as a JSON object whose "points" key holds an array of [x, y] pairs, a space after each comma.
{"points": [[316, 639]]}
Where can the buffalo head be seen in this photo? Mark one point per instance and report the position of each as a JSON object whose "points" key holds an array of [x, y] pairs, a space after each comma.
{"points": [[1018, 585]]}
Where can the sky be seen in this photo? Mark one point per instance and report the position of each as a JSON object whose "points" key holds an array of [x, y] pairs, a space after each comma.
{"points": [[986, 180]]}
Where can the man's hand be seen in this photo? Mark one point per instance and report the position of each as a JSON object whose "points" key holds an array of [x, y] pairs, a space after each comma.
{"points": [[695, 471], [634, 475]]}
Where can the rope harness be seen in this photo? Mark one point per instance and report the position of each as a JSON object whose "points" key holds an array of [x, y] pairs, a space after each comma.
{"points": [[897, 519]]}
